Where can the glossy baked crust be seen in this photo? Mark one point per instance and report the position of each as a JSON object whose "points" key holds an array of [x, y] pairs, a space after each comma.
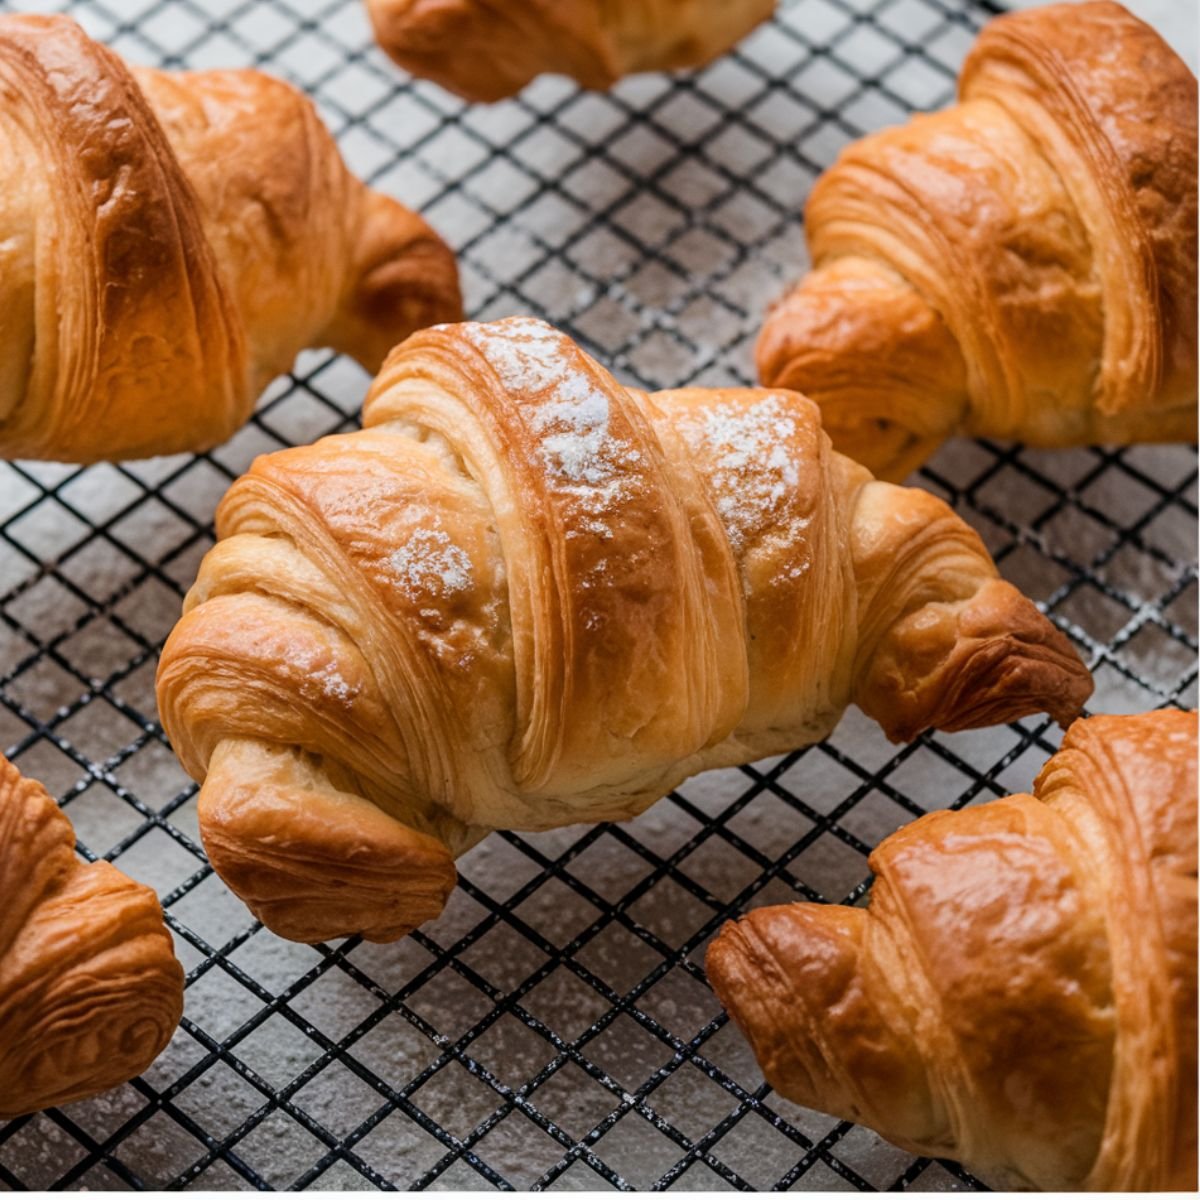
{"points": [[1021, 993], [90, 989], [487, 50], [525, 596], [1021, 265], [170, 241]]}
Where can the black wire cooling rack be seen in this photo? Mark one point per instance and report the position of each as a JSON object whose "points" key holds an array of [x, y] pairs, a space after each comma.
{"points": [[554, 1028]]}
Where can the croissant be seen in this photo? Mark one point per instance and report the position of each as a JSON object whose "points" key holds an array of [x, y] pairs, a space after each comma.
{"points": [[1021, 265], [1021, 993], [487, 51], [526, 596], [90, 989], [170, 242]]}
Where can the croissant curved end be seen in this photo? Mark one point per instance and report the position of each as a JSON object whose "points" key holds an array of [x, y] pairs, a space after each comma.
{"points": [[983, 661], [107, 1013], [876, 358], [753, 990], [313, 862], [781, 972], [404, 278]]}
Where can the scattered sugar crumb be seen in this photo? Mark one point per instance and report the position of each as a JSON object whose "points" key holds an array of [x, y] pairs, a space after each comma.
{"points": [[332, 683], [327, 677], [429, 564]]}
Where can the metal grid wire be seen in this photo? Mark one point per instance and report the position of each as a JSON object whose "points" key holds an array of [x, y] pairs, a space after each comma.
{"points": [[553, 1028]]}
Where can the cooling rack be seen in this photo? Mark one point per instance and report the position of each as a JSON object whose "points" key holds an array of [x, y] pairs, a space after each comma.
{"points": [[553, 1029]]}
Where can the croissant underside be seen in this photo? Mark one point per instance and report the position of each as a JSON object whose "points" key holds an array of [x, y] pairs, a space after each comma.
{"points": [[485, 51]]}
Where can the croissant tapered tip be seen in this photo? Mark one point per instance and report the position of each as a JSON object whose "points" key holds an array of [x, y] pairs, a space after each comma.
{"points": [[719, 962], [730, 966], [404, 278], [773, 968], [878, 360], [745, 979], [311, 862], [984, 661]]}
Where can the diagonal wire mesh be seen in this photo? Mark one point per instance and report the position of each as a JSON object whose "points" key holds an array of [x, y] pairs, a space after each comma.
{"points": [[553, 1029]]}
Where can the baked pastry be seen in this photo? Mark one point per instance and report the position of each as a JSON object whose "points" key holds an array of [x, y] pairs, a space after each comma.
{"points": [[487, 51], [1021, 265], [1021, 993], [90, 989], [526, 596], [170, 241]]}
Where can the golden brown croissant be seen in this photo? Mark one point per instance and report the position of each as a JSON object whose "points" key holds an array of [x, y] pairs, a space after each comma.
{"points": [[526, 596], [90, 989], [170, 242], [1021, 993], [1021, 265], [484, 50]]}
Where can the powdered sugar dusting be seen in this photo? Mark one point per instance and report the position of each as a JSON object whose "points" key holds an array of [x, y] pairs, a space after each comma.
{"points": [[323, 673], [429, 565], [566, 411], [333, 684], [525, 352], [752, 468]]}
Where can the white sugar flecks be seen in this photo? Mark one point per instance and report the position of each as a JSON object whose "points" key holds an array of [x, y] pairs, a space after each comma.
{"points": [[574, 431], [333, 684], [430, 566], [321, 671], [752, 471], [566, 411], [523, 351]]}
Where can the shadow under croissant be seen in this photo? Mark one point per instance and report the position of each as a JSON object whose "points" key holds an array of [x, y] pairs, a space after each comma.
{"points": [[525, 596]]}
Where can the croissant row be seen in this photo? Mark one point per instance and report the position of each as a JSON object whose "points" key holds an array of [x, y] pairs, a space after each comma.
{"points": [[1021, 265], [487, 51], [526, 596], [1021, 992], [90, 989], [170, 241]]}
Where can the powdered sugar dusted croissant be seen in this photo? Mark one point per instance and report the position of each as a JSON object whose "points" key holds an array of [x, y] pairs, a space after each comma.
{"points": [[1021, 265], [170, 242], [487, 51], [1021, 992], [90, 989], [526, 596]]}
